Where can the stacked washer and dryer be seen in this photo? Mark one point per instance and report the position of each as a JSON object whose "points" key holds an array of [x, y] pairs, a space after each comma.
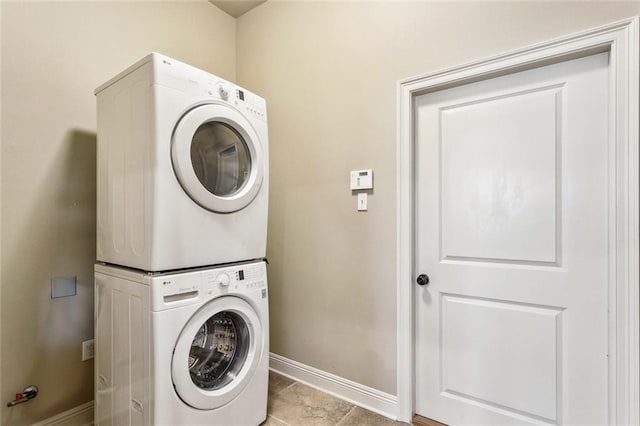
{"points": [[181, 323]]}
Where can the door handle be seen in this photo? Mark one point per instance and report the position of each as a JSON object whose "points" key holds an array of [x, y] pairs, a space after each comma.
{"points": [[423, 279]]}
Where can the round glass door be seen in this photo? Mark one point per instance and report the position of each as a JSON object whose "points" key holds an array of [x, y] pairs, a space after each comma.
{"points": [[217, 353], [217, 157], [220, 158]]}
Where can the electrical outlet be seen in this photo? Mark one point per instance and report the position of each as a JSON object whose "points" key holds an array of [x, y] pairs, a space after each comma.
{"points": [[87, 349]]}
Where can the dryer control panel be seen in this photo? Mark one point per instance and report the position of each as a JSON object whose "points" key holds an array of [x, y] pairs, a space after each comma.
{"points": [[186, 78], [251, 104], [247, 102]]}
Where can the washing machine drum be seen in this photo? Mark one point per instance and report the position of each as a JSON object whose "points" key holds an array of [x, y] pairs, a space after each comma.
{"points": [[217, 353], [218, 158]]}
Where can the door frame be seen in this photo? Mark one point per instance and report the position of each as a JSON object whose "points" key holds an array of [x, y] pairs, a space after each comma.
{"points": [[620, 39]]}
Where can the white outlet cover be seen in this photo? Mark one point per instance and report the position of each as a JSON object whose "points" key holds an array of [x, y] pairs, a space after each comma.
{"points": [[88, 349]]}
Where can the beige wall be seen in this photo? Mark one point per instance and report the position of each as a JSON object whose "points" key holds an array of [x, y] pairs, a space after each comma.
{"points": [[53, 56], [329, 72]]}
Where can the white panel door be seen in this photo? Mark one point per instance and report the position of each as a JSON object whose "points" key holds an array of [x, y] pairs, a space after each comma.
{"points": [[512, 230]]}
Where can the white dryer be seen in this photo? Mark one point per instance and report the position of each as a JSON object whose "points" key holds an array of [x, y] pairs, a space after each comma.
{"points": [[187, 348], [182, 175]]}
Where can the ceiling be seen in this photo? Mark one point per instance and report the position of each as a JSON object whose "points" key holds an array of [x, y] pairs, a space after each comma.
{"points": [[236, 8]]}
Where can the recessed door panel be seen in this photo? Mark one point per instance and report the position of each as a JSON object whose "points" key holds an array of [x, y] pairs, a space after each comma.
{"points": [[499, 178], [516, 348]]}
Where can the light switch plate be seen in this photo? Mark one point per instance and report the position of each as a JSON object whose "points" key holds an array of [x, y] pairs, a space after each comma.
{"points": [[362, 202]]}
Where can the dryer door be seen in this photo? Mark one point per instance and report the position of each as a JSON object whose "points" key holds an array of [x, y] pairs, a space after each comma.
{"points": [[217, 157], [217, 353]]}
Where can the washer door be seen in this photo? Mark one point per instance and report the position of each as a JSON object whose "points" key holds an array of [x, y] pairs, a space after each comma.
{"points": [[217, 353], [217, 157]]}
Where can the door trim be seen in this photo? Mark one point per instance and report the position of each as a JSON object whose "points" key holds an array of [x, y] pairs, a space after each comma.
{"points": [[620, 39]]}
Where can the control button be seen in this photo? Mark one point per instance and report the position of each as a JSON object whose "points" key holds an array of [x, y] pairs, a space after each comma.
{"points": [[223, 280], [224, 91]]}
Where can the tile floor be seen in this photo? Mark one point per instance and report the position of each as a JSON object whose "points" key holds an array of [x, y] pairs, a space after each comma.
{"points": [[294, 404]]}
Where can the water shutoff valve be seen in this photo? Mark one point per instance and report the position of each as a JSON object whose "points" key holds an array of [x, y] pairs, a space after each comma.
{"points": [[27, 394]]}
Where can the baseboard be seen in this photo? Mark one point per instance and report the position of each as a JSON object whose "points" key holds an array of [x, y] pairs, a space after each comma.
{"points": [[372, 399], [82, 415]]}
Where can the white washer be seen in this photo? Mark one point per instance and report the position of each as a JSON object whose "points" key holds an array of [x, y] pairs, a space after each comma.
{"points": [[182, 349], [182, 168]]}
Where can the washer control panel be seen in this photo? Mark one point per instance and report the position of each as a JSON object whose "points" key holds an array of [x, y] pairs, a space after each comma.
{"points": [[245, 277], [174, 290]]}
